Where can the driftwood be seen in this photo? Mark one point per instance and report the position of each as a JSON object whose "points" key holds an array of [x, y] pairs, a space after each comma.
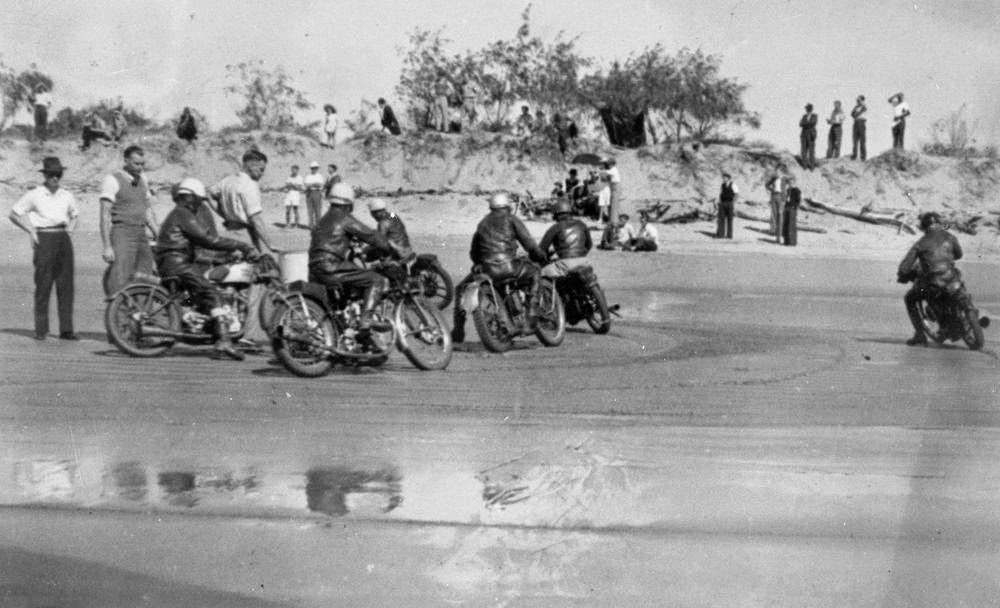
{"points": [[869, 218], [767, 220]]}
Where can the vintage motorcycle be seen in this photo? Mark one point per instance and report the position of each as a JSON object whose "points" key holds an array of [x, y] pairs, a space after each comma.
{"points": [[146, 320], [435, 283], [944, 318], [316, 327], [500, 311], [582, 296]]}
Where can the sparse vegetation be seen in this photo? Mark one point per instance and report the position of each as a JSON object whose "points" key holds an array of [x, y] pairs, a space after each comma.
{"points": [[269, 95], [954, 136]]}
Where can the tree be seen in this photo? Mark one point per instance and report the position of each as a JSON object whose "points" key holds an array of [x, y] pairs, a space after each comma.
{"points": [[18, 89], [268, 93]]}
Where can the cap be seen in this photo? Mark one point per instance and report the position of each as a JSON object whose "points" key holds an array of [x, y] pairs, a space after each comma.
{"points": [[342, 193], [377, 204], [193, 186], [314, 165], [500, 200]]}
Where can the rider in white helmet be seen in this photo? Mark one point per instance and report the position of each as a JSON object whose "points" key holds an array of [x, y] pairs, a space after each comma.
{"points": [[185, 231], [392, 228]]}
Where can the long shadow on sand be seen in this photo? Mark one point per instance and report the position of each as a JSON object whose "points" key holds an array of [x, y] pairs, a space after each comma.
{"points": [[27, 333]]}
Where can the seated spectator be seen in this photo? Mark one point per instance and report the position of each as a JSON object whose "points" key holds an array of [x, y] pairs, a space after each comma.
{"points": [[618, 235], [558, 191], [524, 123], [94, 129], [572, 183], [648, 239], [187, 128], [119, 125], [541, 123]]}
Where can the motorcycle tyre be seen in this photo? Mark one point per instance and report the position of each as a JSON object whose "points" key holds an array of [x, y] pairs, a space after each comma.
{"points": [[937, 333], [288, 359], [432, 317], [599, 318], [442, 281], [551, 337], [973, 335], [129, 346], [482, 319]]}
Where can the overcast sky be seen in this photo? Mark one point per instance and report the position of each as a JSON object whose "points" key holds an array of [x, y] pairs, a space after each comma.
{"points": [[164, 55]]}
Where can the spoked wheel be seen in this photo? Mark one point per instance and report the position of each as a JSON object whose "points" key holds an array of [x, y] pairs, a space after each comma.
{"points": [[973, 334], [138, 306], [422, 334], [550, 327], [436, 285], [599, 318], [267, 315], [488, 317], [932, 326], [303, 337]]}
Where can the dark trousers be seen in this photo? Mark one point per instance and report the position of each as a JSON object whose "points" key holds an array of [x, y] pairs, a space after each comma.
{"points": [[314, 206], [789, 228], [859, 135], [41, 122], [724, 228], [133, 258], [53, 259], [807, 150], [898, 130], [192, 278], [833, 141]]}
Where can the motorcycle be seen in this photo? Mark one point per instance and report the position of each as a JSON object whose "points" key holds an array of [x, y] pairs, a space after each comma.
{"points": [[944, 318], [146, 319], [435, 282], [316, 327], [582, 297], [500, 311]]}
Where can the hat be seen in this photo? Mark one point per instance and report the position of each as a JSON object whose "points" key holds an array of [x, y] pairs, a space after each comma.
{"points": [[192, 186], [377, 204], [342, 194], [499, 201], [314, 165], [51, 164]]}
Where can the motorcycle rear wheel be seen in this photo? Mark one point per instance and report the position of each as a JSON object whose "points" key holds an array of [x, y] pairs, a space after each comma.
{"points": [[435, 284], [488, 317], [550, 326], [973, 335], [303, 337], [422, 334], [931, 325], [137, 305], [599, 318]]}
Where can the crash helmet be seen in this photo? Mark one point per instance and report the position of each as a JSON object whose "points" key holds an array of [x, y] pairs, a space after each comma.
{"points": [[342, 193], [377, 204], [929, 219], [562, 207], [500, 200], [191, 185]]}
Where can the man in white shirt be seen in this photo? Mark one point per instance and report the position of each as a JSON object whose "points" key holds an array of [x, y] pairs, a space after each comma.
{"points": [[900, 110], [648, 239], [330, 123], [776, 186], [126, 213], [48, 214], [611, 175], [42, 100], [314, 186], [294, 186]]}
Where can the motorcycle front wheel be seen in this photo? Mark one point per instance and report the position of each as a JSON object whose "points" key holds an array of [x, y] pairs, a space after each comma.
{"points": [[598, 318], [422, 334], [303, 337], [973, 334], [550, 326], [134, 307], [488, 317]]}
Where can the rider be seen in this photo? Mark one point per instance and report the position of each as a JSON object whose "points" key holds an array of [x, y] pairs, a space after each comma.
{"points": [[930, 264], [493, 248], [330, 251], [185, 230], [568, 238], [392, 228]]}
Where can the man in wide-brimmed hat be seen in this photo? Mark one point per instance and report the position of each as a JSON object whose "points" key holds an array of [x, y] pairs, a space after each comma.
{"points": [[900, 110], [48, 214]]}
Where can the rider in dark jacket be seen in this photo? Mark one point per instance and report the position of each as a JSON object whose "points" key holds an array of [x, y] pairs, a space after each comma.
{"points": [[568, 238], [330, 252], [930, 264], [494, 249], [392, 228], [184, 232]]}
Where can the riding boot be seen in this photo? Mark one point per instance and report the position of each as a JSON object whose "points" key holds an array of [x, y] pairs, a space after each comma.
{"points": [[912, 300], [533, 308], [223, 345], [458, 324], [367, 323]]}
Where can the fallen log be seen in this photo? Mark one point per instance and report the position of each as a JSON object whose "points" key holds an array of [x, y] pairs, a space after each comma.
{"points": [[863, 217], [767, 220]]}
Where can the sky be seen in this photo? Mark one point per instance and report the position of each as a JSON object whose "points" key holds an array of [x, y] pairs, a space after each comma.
{"points": [[942, 54]]}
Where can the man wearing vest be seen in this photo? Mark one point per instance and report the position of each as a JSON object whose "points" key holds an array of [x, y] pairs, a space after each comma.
{"points": [[776, 187], [126, 212], [727, 204]]}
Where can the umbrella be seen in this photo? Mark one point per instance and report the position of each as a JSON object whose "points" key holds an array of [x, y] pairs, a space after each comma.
{"points": [[587, 158]]}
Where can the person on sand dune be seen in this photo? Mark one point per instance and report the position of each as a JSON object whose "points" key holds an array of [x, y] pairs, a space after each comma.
{"points": [[858, 134], [807, 138]]}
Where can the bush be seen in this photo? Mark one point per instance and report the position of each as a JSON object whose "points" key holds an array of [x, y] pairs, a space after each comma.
{"points": [[954, 136]]}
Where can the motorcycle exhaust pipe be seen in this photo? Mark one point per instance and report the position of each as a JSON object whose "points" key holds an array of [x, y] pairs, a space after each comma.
{"points": [[151, 331]]}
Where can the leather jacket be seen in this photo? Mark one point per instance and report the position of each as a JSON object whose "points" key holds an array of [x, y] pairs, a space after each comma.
{"points": [[932, 257], [333, 235], [497, 237], [394, 231], [183, 232], [569, 237]]}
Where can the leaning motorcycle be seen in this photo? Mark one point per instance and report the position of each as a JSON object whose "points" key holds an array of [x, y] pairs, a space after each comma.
{"points": [[582, 297], [146, 320], [316, 327], [944, 318], [500, 311]]}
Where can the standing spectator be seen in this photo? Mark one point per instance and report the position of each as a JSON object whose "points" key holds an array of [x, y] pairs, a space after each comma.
{"points": [[388, 117], [238, 200], [836, 122], [559, 130], [470, 101], [727, 206], [119, 125], [126, 213], [572, 132], [900, 110], [294, 186], [572, 185], [439, 111], [524, 123], [790, 229], [648, 239], [330, 123], [332, 178], [776, 186], [94, 129], [41, 99], [314, 183], [611, 175], [187, 128], [807, 139], [541, 123], [858, 131], [48, 214], [603, 198]]}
